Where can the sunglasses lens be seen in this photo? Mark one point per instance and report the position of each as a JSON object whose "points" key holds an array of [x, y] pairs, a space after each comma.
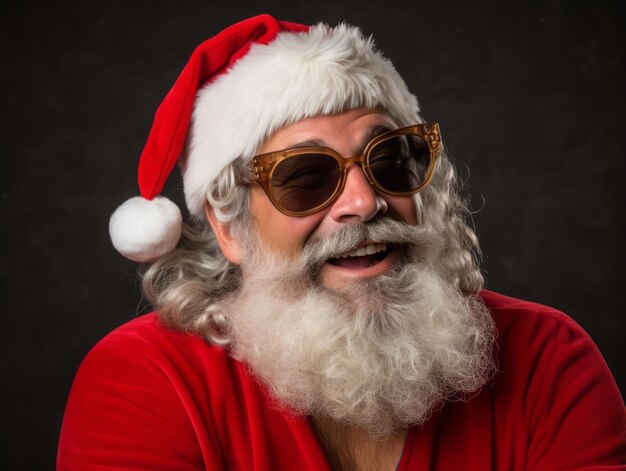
{"points": [[401, 164], [305, 181]]}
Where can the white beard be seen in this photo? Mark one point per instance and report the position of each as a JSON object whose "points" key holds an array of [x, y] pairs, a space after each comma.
{"points": [[379, 354]]}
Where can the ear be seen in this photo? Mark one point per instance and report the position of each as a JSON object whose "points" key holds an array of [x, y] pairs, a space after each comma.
{"points": [[228, 245]]}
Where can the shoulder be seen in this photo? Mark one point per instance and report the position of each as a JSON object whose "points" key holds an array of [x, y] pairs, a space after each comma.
{"points": [[151, 389], [528, 332], [146, 332], [147, 340], [526, 324], [145, 351], [552, 378], [508, 311]]}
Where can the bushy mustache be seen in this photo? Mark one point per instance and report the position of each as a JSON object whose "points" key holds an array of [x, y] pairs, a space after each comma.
{"points": [[421, 240], [421, 243]]}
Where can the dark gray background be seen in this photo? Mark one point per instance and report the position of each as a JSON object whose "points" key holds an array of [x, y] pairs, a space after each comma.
{"points": [[530, 98]]}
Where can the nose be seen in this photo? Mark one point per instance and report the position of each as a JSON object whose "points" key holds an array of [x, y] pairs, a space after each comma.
{"points": [[358, 202]]}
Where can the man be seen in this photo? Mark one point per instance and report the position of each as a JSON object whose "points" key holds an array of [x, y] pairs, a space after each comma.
{"points": [[324, 308]]}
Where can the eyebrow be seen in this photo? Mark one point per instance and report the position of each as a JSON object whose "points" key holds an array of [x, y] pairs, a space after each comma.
{"points": [[370, 134], [374, 131]]}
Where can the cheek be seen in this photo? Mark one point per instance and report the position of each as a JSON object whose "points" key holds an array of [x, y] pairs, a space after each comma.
{"points": [[402, 208], [281, 233]]}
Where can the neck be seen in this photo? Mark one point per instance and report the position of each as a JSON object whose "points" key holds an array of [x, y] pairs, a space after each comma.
{"points": [[352, 448]]}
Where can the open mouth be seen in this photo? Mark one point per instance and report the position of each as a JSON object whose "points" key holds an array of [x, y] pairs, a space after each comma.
{"points": [[362, 257]]}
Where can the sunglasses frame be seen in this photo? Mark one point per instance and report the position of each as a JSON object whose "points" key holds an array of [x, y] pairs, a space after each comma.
{"points": [[264, 164]]}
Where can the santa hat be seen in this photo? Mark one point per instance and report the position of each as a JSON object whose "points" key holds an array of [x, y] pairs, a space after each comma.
{"points": [[237, 89]]}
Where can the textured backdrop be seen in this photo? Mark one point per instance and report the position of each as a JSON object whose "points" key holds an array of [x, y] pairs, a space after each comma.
{"points": [[531, 104]]}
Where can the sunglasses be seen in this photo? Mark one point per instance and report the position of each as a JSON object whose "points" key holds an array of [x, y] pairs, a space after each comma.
{"points": [[301, 181]]}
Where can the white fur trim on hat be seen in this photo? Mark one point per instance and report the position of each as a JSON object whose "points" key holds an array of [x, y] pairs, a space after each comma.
{"points": [[298, 75], [143, 230]]}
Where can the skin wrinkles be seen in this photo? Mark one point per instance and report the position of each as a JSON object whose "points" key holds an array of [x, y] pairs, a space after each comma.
{"points": [[370, 134]]}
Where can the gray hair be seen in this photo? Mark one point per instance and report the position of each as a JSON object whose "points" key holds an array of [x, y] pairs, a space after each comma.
{"points": [[187, 286]]}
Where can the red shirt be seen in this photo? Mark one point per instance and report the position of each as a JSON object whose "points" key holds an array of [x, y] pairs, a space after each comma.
{"points": [[149, 398]]}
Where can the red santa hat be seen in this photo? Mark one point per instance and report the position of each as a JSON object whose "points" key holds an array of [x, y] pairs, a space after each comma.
{"points": [[237, 89]]}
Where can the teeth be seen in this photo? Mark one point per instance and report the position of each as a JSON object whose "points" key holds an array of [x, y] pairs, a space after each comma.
{"points": [[364, 250]]}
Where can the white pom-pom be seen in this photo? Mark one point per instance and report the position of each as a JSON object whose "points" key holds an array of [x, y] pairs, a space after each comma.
{"points": [[143, 230]]}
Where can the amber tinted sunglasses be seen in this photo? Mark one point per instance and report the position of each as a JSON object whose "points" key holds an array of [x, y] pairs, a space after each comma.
{"points": [[301, 181]]}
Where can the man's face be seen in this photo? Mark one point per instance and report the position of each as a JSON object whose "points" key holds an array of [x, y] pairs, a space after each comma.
{"points": [[347, 133], [374, 341]]}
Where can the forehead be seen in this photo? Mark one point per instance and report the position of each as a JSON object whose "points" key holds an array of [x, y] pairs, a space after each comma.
{"points": [[343, 129]]}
